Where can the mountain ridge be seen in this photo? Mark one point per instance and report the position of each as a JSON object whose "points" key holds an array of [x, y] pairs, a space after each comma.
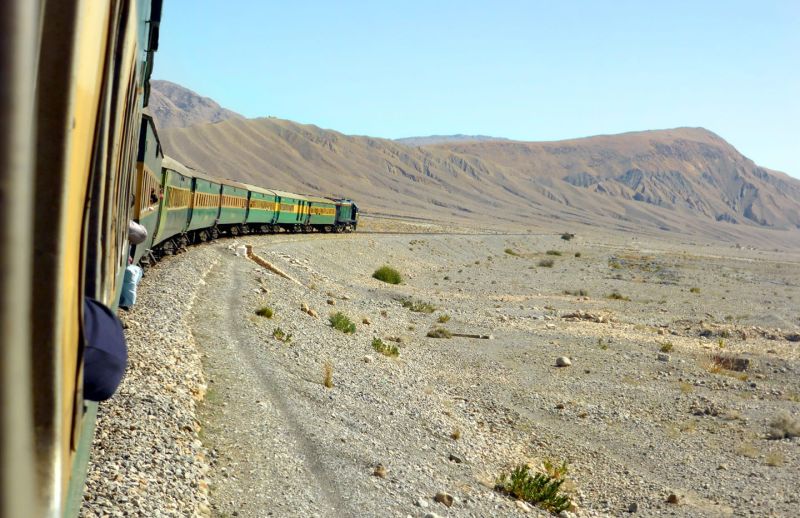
{"points": [[685, 180]]}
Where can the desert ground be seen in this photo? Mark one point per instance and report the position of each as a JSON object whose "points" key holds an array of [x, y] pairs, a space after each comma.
{"points": [[681, 397]]}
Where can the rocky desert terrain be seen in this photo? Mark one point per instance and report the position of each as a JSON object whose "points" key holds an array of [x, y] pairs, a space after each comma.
{"points": [[677, 392]]}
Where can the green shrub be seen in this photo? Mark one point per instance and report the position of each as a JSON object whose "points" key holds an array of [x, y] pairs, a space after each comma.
{"points": [[546, 263], [615, 295], [340, 322], [538, 489], [566, 236], [439, 332], [553, 252], [577, 254], [281, 335], [385, 349], [666, 347], [418, 306], [265, 311], [443, 319], [388, 274], [577, 293], [511, 252], [694, 290]]}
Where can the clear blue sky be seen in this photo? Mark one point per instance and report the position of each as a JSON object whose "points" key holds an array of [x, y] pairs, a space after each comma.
{"points": [[528, 70]]}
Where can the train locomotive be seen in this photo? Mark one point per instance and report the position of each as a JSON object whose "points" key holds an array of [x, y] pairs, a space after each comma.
{"points": [[80, 160]]}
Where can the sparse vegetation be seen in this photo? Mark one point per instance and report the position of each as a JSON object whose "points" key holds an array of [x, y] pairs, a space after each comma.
{"points": [[784, 427], [577, 254], [511, 252], [546, 263], [602, 344], [456, 434], [775, 459], [685, 387], [615, 295], [746, 449], [388, 274], [538, 489], [341, 322], [265, 311], [384, 348], [418, 306], [553, 252], [327, 375], [694, 290], [439, 332], [281, 335], [566, 236], [443, 319], [578, 293], [666, 347]]}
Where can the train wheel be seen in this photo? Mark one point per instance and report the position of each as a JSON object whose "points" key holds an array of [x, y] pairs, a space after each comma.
{"points": [[234, 231], [202, 236], [215, 233]]}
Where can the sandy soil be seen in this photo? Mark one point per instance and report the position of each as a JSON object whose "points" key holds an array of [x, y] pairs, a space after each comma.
{"points": [[646, 410]]}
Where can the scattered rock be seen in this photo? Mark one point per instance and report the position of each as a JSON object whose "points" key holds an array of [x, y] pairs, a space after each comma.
{"points": [[633, 507], [380, 471], [586, 316], [455, 458], [563, 361], [522, 506], [793, 337], [444, 498], [304, 307], [312, 313], [432, 515], [366, 321], [367, 359], [673, 499], [421, 502], [331, 302], [663, 357]]}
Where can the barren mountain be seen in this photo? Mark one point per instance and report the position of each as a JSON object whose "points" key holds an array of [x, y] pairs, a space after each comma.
{"points": [[685, 180], [445, 139], [174, 106]]}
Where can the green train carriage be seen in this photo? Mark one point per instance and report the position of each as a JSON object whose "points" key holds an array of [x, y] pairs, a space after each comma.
{"points": [[233, 208], [262, 210], [322, 214], [293, 211], [175, 206], [148, 184], [204, 213]]}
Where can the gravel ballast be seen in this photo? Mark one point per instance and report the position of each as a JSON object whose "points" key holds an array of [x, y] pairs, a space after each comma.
{"points": [[147, 459]]}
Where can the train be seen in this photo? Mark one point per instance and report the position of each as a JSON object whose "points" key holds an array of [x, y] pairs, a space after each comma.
{"points": [[81, 160], [179, 206]]}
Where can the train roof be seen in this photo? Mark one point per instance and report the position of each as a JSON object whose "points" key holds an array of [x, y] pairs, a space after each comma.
{"points": [[319, 199], [284, 194], [260, 190], [171, 163]]}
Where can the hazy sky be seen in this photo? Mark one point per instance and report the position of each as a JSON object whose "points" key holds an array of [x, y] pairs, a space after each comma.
{"points": [[527, 70]]}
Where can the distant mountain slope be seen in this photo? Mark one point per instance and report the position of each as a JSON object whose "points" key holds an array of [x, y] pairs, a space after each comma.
{"points": [[174, 106], [685, 180], [444, 139]]}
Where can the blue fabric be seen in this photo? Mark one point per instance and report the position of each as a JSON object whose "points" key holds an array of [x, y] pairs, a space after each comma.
{"points": [[133, 276], [106, 353]]}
